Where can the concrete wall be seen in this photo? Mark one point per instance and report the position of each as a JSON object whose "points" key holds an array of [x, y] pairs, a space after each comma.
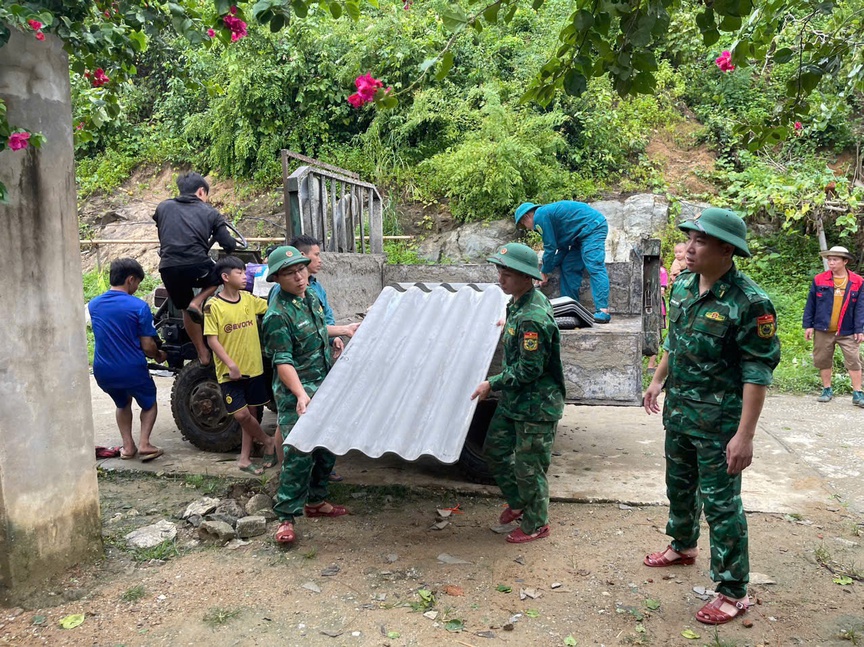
{"points": [[352, 281], [49, 503]]}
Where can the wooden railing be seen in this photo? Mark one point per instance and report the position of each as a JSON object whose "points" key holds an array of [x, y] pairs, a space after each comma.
{"points": [[333, 206]]}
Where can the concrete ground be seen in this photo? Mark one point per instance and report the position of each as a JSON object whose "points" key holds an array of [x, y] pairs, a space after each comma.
{"points": [[806, 453]]}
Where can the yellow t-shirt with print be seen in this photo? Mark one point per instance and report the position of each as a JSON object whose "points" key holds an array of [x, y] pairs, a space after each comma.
{"points": [[235, 325], [839, 291]]}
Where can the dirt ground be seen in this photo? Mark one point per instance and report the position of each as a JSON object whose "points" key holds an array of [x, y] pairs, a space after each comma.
{"points": [[589, 583]]}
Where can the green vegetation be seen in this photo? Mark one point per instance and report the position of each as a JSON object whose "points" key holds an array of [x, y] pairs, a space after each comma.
{"points": [[217, 616], [133, 594]]}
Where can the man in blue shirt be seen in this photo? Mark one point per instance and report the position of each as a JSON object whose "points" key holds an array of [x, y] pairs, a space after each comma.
{"points": [[125, 337], [574, 238]]}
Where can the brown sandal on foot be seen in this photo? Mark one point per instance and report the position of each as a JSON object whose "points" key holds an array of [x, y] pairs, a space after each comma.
{"points": [[659, 559], [315, 510], [713, 614], [285, 533]]}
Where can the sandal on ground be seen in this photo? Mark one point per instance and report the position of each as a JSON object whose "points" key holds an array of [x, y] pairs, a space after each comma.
{"points": [[146, 457], [269, 460], [712, 613], [128, 457], [659, 559], [285, 533], [335, 478], [253, 469], [316, 511], [509, 516], [519, 537]]}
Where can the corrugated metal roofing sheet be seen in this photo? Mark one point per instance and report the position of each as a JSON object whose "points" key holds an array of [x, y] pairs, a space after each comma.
{"points": [[403, 383]]}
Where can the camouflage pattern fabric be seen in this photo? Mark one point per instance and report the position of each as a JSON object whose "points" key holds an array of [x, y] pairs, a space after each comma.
{"points": [[518, 454], [716, 343], [295, 333], [532, 379], [304, 478], [695, 478]]}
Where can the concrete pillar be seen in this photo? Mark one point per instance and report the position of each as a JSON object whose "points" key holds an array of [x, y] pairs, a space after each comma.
{"points": [[49, 500]]}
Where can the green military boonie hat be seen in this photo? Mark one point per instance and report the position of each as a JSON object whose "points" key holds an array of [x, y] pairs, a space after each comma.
{"points": [[722, 224], [284, 256], [519, 257]]}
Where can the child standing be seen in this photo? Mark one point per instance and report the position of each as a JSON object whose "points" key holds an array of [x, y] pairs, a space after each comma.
{"points": [[231, 330], [295, 337]]}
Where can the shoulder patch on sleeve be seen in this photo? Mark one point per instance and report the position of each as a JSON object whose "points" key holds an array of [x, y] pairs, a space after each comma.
{"points": [[530, 341], [766, 326]]}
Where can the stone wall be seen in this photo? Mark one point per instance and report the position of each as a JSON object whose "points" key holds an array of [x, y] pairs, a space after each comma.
{"points": [[352, 281]]}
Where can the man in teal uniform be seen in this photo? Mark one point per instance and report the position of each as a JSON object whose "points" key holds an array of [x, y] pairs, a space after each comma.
{"points": [[721, 352], [295, 338], [518, 445], [574, 239]]}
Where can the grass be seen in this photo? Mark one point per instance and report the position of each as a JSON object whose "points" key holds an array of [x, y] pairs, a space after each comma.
{"points": [[207, 484], [217, 616], [133, 594], [163, 552]]}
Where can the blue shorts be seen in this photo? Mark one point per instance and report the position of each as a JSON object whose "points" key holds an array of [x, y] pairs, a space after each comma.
{"points": [[249, 391], [144, 394]]}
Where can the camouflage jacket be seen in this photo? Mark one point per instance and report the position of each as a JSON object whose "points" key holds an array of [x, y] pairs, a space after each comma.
{"points": [[532, 380], [717, 341], [295, 333]]}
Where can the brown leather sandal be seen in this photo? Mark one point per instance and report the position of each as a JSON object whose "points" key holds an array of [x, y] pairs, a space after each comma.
{"points": [[712, 613], [659, 559], [315, 510]]}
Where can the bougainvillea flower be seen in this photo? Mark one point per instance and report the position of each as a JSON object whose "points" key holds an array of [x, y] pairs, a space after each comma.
{"points": [[99, 78], [233, 10], [40, 35], [724, 61], [798, 125], [367, 86], [211, 33], [17, 141], [356, 100], [35, 25], [236, 26]]}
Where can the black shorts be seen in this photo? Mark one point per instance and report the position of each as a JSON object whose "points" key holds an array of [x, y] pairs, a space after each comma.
{"points": [[249, 391], [180, 281]]}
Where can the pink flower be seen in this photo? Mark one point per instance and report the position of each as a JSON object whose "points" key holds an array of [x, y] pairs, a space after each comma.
{"points": [[40, 35], [367, 86], [35, 25], [356, 100], [211, 33], [80, 126], [724, 61], [237, 27], [99, 78], [798, 125], [407, 5], [17, 141], [233, 10]]}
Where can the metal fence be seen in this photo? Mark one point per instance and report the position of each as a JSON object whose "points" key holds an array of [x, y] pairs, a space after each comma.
{"points": [[332, 205]]}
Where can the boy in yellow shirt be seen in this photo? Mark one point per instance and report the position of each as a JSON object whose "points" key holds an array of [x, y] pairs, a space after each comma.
{"points": [[231, 330]]}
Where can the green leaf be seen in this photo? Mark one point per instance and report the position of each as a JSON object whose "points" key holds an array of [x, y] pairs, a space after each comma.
{"points": [[39, 620], [652, 604], [70, 622], [429, 62], [575, 83], [570, 641], [843, 580], [689, 634], [783, 55], [454, 625], [644, 60], [223, 7], [446, 64], [454, 18], [277, 23], [532, 613], [336, 10], [4, 199], [300, 8], [583, 19], [537, 4], [389, 102], [393, 634], [353, 10], [491, 13], [503, 588]]}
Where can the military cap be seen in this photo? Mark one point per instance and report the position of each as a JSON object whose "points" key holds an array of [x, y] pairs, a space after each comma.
{"points": [[524, 208], [722, 224], [284, 256], [518, 257]]}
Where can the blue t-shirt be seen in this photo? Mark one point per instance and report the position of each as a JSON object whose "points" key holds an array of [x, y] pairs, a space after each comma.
{"points": [[119, 320]]}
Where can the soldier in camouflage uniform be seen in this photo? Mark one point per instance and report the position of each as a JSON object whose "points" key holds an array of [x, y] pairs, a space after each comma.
{"points": [[722, 349], [518, 445], [295, 338]]}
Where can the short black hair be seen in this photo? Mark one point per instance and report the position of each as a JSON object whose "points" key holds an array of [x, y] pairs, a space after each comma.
{"points": [[189, 183], [226, 264], [123, 268], [304, 243]]}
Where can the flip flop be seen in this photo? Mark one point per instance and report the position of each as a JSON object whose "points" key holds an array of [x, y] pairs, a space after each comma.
{"points": [[128, 457], [196, 315], [149, 456], [253, 469], [659, 559], [268, 461], [713, 614]]}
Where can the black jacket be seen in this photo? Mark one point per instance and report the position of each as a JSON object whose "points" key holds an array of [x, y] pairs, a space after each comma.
{"points": [[185, 226]]}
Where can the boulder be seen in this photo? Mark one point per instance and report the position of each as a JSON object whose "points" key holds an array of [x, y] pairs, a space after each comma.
{"points": [[257, 503], [152, 535], [201, 507], [216, 530], [251, 526]]}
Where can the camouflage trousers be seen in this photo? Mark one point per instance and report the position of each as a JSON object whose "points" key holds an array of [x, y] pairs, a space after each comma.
{"points": [[304, 477], [696, 479], [518, 454]]}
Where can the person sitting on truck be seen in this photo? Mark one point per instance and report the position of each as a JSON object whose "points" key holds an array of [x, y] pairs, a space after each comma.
{"points": [[186, 225], [231, 330], [296, 340], [574, 239], [518, 446], [125, 337]]}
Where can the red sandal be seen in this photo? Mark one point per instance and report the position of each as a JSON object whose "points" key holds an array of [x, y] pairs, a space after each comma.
{"points": [[509, 516], [315, 510], [713, 614], [520, 537], [285, 533], [659, 559]]}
